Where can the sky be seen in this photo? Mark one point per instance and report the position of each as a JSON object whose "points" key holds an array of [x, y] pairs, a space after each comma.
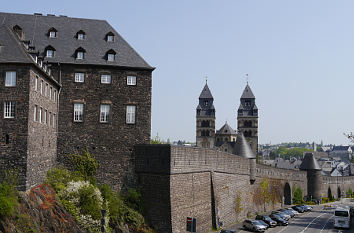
{"points": [[299, 56]]}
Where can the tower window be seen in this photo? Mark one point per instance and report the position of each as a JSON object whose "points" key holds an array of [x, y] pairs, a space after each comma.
{"points": [[131, 109], [206, 103]]}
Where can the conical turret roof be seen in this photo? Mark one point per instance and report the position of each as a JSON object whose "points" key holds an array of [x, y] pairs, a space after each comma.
{"points": [[309, 163], [206, 94], [247, 93], [242, 148]]}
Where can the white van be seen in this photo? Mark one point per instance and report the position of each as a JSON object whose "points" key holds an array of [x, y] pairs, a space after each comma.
{"points": [[342, 218]]}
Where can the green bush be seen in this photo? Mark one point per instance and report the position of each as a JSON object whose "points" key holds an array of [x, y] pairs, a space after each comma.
{"points": [[89, 203], [59, 177], [325, 200], [8, 199], [85, 165], [134, 200]]}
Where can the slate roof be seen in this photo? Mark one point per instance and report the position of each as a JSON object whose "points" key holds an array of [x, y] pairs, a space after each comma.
{"points": [[11, 50], [247, 93], [341, 148], [206, 94], [242, 148], [309, 163], [36, 27], [226, 129]]}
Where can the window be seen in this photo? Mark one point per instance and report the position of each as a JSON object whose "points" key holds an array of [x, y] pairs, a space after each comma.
{"points": [[131, 114], [131, 80], [45, 116], [79, 77], [104, 113], [40, 114], [9, 109], [52, 34], [110, 57], [50, 118], [10, 79], [80, 55], [80, 35], [46, 89], [35, 117], [42, 82], [54, 119], [36, 83], [50, 92], [110, 38], [106, 78], [50, 53], [78, 112], [55, 96]]}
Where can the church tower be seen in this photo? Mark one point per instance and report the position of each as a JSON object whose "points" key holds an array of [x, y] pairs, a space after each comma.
{"points": [[205, 125], [247, 118]]}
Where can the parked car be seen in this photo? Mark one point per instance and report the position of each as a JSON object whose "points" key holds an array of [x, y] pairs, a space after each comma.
{"points": [[282, 214], [263, 223], [298, 208], [228, 231], [294, 211], [307, 208], [286, 211], [267, 220], [280, 221], [253, 225]]}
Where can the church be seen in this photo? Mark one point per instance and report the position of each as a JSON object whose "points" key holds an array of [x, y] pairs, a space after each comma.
{"points": [[224, 139]]}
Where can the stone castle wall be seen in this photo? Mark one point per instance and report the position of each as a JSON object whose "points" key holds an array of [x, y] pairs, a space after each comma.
{"points": [[206, 184]]}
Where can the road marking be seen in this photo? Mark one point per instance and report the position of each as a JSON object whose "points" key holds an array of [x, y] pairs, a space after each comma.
{"points": [[326, 223], [312, 222]]}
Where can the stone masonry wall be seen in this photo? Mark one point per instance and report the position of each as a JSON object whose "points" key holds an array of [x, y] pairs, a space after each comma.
{"points": [[14, 154], [42, 136], [111, 143]]}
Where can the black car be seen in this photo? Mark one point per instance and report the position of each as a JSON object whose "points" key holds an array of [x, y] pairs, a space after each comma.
{"points": [[280, 221], [298, 209], [228, 231], [267, 220]]}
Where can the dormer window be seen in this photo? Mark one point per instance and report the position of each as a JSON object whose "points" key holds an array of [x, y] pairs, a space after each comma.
{"points": [[80, 35], [19, 32], [49, 51], [80, 53], [52, 33], [110, 37], [110, 55]]}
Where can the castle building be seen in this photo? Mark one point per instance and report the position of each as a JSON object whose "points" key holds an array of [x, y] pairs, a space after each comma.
{"points": [[102, 96], [225, 138]]}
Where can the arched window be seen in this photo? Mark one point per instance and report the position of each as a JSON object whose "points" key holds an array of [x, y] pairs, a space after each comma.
{"points": [[248, 133], [248, 123], [205, 124]]}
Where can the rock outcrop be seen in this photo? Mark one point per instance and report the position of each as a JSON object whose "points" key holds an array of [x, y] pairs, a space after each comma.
{"points": [[39, 211]]}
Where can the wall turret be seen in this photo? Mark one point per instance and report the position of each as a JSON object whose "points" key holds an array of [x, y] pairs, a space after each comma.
{"points": [[314, 176]]}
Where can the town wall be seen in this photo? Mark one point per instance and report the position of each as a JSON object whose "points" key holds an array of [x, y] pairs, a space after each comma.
{"points": [[212, 186]]}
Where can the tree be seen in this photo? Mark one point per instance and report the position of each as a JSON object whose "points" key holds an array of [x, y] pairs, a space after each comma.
{"points": [[261, 195], [275, 191], [297, 195]]}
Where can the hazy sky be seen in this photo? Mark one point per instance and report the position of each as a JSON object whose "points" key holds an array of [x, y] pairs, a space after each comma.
{"points": [[299, 56]]}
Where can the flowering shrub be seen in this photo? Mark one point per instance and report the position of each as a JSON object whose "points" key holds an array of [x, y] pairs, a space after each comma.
{"points": [[84, 201]]}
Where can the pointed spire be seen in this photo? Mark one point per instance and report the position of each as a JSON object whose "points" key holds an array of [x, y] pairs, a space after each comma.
{"points": [[242, 148], [247, 93], [206, 94]]}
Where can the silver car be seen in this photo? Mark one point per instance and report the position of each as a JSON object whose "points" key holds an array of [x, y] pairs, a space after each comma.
{"points": [[254, 225]]}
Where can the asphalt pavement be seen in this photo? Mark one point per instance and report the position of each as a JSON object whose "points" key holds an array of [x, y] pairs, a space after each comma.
{"points": [[319, 220]]}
